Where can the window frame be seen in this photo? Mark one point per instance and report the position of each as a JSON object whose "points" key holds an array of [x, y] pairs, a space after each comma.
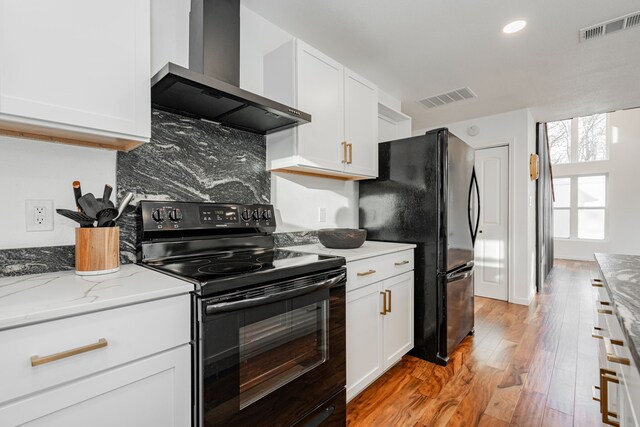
{"points": [[574, 139], [574, 208]]}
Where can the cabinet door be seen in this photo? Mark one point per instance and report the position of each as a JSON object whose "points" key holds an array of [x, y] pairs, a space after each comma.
{"points": [[361, 124], [155, 391], [364, 337], [321, 93], [77, 65], [398, 321]]}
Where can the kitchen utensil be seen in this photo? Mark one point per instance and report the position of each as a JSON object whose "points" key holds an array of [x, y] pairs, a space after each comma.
{"points": [[89, 205], [106, 195], [105, 216], [106, 205], [342, 238], [81, 218], [77, 192], [123, 204]]}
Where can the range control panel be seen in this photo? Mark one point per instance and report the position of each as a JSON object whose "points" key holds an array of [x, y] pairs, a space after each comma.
{"points": [[156, 216]]}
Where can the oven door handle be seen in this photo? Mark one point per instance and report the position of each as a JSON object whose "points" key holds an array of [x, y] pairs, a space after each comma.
{"points": [[266, 299]]}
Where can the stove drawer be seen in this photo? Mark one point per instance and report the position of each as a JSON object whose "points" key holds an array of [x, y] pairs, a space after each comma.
{"points": [[370, 270], [36, 357]]}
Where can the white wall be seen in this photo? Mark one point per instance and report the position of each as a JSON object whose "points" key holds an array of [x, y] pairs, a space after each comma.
{"points": [[516, 129], [169, 33], [623, 200], [43, 170]]}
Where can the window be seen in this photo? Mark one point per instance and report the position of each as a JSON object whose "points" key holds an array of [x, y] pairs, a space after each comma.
{"points": [[578, 140], [579, 210]]}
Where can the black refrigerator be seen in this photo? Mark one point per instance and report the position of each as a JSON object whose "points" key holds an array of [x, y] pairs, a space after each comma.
{"points": [[427, 194]]}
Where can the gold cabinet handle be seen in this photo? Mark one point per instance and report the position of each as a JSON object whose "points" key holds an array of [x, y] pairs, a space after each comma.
{"points": [[607, 303], [36, 360], [597, 283], [401, 262], [611, 356], [388, 292], [384, 304], [606, 377], [604, 311], [366, 273], [595, 393], [350, 153], [344, 151], [596, 332]]}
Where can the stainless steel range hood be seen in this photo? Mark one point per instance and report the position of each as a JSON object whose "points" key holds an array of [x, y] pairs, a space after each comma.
{"points": [[209, 88]]}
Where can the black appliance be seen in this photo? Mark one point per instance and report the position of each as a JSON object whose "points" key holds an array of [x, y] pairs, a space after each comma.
{"points": [[268, 324], [427, 194], [209, 88]]}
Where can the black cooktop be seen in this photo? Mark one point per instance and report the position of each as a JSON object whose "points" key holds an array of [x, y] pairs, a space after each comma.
{"points": [[235, 269]]}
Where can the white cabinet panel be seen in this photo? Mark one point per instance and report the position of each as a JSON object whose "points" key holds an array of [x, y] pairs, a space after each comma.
{"points": [[79, 66], [361, 124], [154, 391], [364, 338], [398, 321]]}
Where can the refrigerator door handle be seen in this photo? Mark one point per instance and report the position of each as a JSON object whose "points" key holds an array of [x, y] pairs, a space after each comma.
{"points": [[472, 228]]}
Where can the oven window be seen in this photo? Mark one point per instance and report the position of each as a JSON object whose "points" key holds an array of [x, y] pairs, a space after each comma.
{"points": [[277, 350]]}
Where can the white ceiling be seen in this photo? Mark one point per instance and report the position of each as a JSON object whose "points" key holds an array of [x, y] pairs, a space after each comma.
{"points": [[417, 48]]}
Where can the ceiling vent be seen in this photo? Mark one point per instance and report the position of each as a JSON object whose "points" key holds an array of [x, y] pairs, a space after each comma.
{"points": [[623, 23], [448, 98]]}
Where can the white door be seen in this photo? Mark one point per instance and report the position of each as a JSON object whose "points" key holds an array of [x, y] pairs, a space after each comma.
{"points": [[492, 242], [320, 93], [361, 124], [364, 337], [398, 321]]}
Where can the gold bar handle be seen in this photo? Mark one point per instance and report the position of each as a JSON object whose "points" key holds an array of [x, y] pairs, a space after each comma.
{"points": [[366, 273], [607, 303], [597, 283], [388, 292], [350, 153], [604, 311], [401, 262], [384, 304], [611, 356], [344, 151], [595, 393], [36, 360], [606, 377], [596, 332]]}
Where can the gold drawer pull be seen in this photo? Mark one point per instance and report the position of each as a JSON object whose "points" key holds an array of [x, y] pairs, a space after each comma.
{"points": [[350, 146], [603, 302], [596, 332], [611, 356], [604, 311], [366, 273], [35, 360], [595, 393], [597, 283], [344, 152], [606, 377], [388, 292], [384, 304], [401, 262]]}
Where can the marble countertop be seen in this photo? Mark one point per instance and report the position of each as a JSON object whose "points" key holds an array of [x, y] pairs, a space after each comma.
{"points": [[42, 297], [367, 250], [622, 277]]}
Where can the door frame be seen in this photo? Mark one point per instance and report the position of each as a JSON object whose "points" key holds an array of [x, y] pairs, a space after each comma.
{"points": [[511, 231]]}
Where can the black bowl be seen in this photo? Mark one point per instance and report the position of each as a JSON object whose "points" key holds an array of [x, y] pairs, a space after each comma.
{"points": [[342, 238]]}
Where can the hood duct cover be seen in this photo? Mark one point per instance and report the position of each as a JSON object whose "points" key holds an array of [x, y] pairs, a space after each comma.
{"points": [[209, 90]]}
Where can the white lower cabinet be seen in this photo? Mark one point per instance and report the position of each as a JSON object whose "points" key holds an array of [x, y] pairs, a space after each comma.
{"points": [[125, 366], [154, 391], [379, 323]]}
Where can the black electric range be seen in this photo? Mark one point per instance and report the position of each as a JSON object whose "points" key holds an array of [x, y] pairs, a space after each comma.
{"points": [[268, 324]]}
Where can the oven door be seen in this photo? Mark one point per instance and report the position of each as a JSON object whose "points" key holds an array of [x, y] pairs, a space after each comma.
{"points": [[272, 353]]}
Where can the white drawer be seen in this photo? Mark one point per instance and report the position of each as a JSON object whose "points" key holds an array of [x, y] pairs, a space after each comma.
{"points": [[130, 332], [370, 270]]}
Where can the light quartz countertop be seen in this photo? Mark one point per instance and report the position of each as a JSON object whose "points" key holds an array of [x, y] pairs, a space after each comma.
{"points": [[42, 297], [367, 250]]}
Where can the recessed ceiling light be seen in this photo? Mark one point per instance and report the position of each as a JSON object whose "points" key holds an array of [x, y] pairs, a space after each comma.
{"points": [[514, 27]]}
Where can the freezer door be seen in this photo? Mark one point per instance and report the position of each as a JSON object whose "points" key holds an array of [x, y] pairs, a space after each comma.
{"points": [[459, 175], [459, 288]]}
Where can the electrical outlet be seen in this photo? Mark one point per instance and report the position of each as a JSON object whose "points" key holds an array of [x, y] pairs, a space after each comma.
{"points": [[322, 214], [39, 215]]}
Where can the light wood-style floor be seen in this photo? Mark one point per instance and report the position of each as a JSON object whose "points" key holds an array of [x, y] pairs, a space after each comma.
{"points": [[525, 366]]}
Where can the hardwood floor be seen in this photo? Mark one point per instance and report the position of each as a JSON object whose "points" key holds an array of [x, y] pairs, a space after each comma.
{"points": [[525, 366]]}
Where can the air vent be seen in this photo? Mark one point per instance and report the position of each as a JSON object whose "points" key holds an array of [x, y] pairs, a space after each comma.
{"points": [[448, 98], [623, 23]]}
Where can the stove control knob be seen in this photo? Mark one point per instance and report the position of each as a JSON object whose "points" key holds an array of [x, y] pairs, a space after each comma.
{"points": [[158, 215], [256, 215], [246, 215], [175, 215], [266, 215]]}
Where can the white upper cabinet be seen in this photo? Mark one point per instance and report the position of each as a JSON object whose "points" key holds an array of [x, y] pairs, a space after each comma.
{"points": [[341, 140], [76, 72]]}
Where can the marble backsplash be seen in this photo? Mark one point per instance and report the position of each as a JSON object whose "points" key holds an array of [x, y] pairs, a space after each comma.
{"points": [[186, 159]]}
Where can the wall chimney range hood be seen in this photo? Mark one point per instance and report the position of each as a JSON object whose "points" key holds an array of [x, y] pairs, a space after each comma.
{"points": [[209, 88]]}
